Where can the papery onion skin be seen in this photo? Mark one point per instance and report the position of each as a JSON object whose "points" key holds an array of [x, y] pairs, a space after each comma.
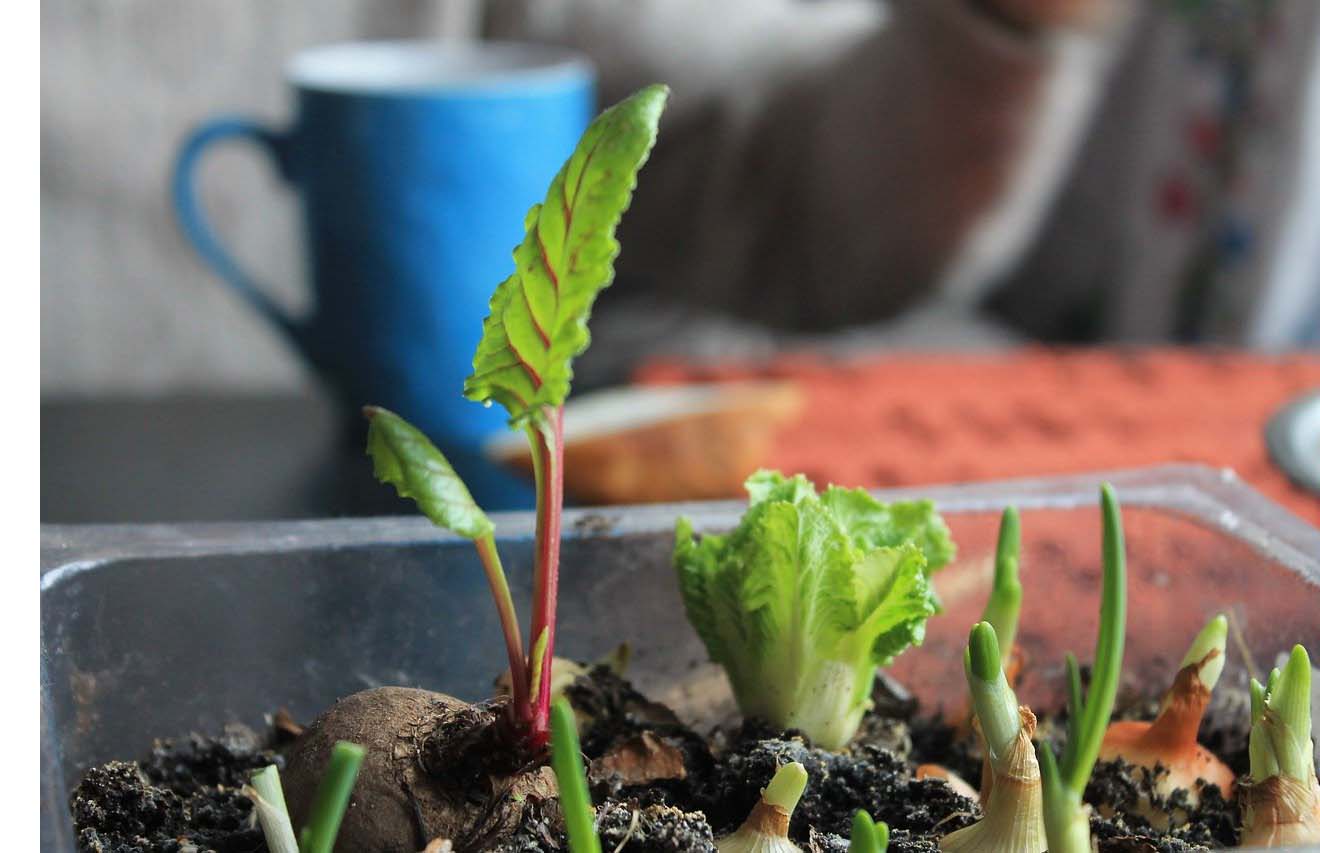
{"points": [[1013, 821], [1280, 812]]}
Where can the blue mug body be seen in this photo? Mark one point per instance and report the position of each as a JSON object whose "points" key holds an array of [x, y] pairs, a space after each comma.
{"points": [[415, 164]]}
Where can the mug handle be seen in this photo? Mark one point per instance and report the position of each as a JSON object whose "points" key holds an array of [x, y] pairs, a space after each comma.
{"points": [[198, 231]]}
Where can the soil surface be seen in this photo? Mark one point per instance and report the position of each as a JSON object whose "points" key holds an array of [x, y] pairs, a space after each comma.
{"points": [[661, 787]]}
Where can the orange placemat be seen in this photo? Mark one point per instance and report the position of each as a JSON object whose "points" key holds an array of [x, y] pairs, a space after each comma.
{"points": [[910, 419]]}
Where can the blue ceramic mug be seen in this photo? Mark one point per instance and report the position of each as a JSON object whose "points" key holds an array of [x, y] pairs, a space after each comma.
{"points": [[415, 163]]}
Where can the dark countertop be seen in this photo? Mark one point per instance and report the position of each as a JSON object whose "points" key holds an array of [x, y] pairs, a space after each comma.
{"points": [[203, 459]]}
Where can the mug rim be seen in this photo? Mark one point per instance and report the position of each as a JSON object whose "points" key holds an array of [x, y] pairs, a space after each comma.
{"points": [[413, 67]]}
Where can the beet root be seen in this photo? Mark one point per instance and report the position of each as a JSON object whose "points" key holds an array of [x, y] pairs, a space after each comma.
{"points": [[436, 767]]}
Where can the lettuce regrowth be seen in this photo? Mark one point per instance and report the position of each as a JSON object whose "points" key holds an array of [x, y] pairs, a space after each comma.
{"points": [[809, 595], [536, 327]]}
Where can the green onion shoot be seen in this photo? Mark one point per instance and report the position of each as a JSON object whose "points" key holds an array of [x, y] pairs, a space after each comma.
{"points": [[1011, 806], [574, 798], [267, 796], [867, 835], [1067, 818], [332, 796], [766, 828], [1281, 803], [1005, 602]]}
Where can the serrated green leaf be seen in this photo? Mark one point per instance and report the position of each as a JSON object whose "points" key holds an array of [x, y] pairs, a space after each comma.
{"points": [[767, 485], [897, 611], [538, 315], [873, 524], [404, 457]]}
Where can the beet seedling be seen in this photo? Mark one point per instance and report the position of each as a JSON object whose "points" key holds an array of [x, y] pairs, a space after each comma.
{"points": [[536, 327]]}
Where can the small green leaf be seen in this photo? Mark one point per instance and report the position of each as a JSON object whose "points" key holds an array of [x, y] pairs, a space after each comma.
{"points": [[406, 458], [538, 315]]}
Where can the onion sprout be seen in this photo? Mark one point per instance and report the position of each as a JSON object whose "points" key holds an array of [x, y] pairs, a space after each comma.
{"points": [[867, 835], [1005, 602], [574, 798], [1169, 741], [766, 828], [1281, 802], [267, 796], [332, 796], [1066, 817], [1012, 821]]}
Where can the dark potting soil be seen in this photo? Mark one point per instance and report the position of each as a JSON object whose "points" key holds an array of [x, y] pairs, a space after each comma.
{"points": [[660, 786], [184, 796]]}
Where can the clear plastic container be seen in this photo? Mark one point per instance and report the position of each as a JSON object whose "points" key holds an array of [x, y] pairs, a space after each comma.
{"points": [[159, 630]]}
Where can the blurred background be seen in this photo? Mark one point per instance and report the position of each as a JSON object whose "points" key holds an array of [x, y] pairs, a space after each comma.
{"points": [[882, 243]]}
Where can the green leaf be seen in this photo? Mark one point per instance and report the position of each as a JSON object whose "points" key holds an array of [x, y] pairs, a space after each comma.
{"points": [[873, 524], [538, 315], [773, 486], [898, 619], [406, 458], [796, 612]]}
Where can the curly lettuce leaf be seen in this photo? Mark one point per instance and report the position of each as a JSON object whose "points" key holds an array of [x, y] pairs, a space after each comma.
{"points": [[538, 316], [404, 457], [799, 608], [871, 524]]}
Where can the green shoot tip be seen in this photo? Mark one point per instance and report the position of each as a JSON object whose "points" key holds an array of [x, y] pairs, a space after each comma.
{"points": [[1208, 650], [1257, 701], [574, 796], [983, 647], [867, 835], [786, 788], [1008, 548], [1291, 696]]}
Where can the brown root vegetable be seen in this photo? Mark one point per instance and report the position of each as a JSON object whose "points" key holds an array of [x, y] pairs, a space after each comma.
{"points": [[435, 767], [1169, 741]]}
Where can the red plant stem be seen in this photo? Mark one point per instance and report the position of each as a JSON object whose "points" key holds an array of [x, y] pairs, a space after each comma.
{"points": [[548, 454], [499, 589]]}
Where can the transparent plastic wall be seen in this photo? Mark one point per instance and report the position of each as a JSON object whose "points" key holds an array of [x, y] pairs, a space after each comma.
{"points": [[151, 631]]}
